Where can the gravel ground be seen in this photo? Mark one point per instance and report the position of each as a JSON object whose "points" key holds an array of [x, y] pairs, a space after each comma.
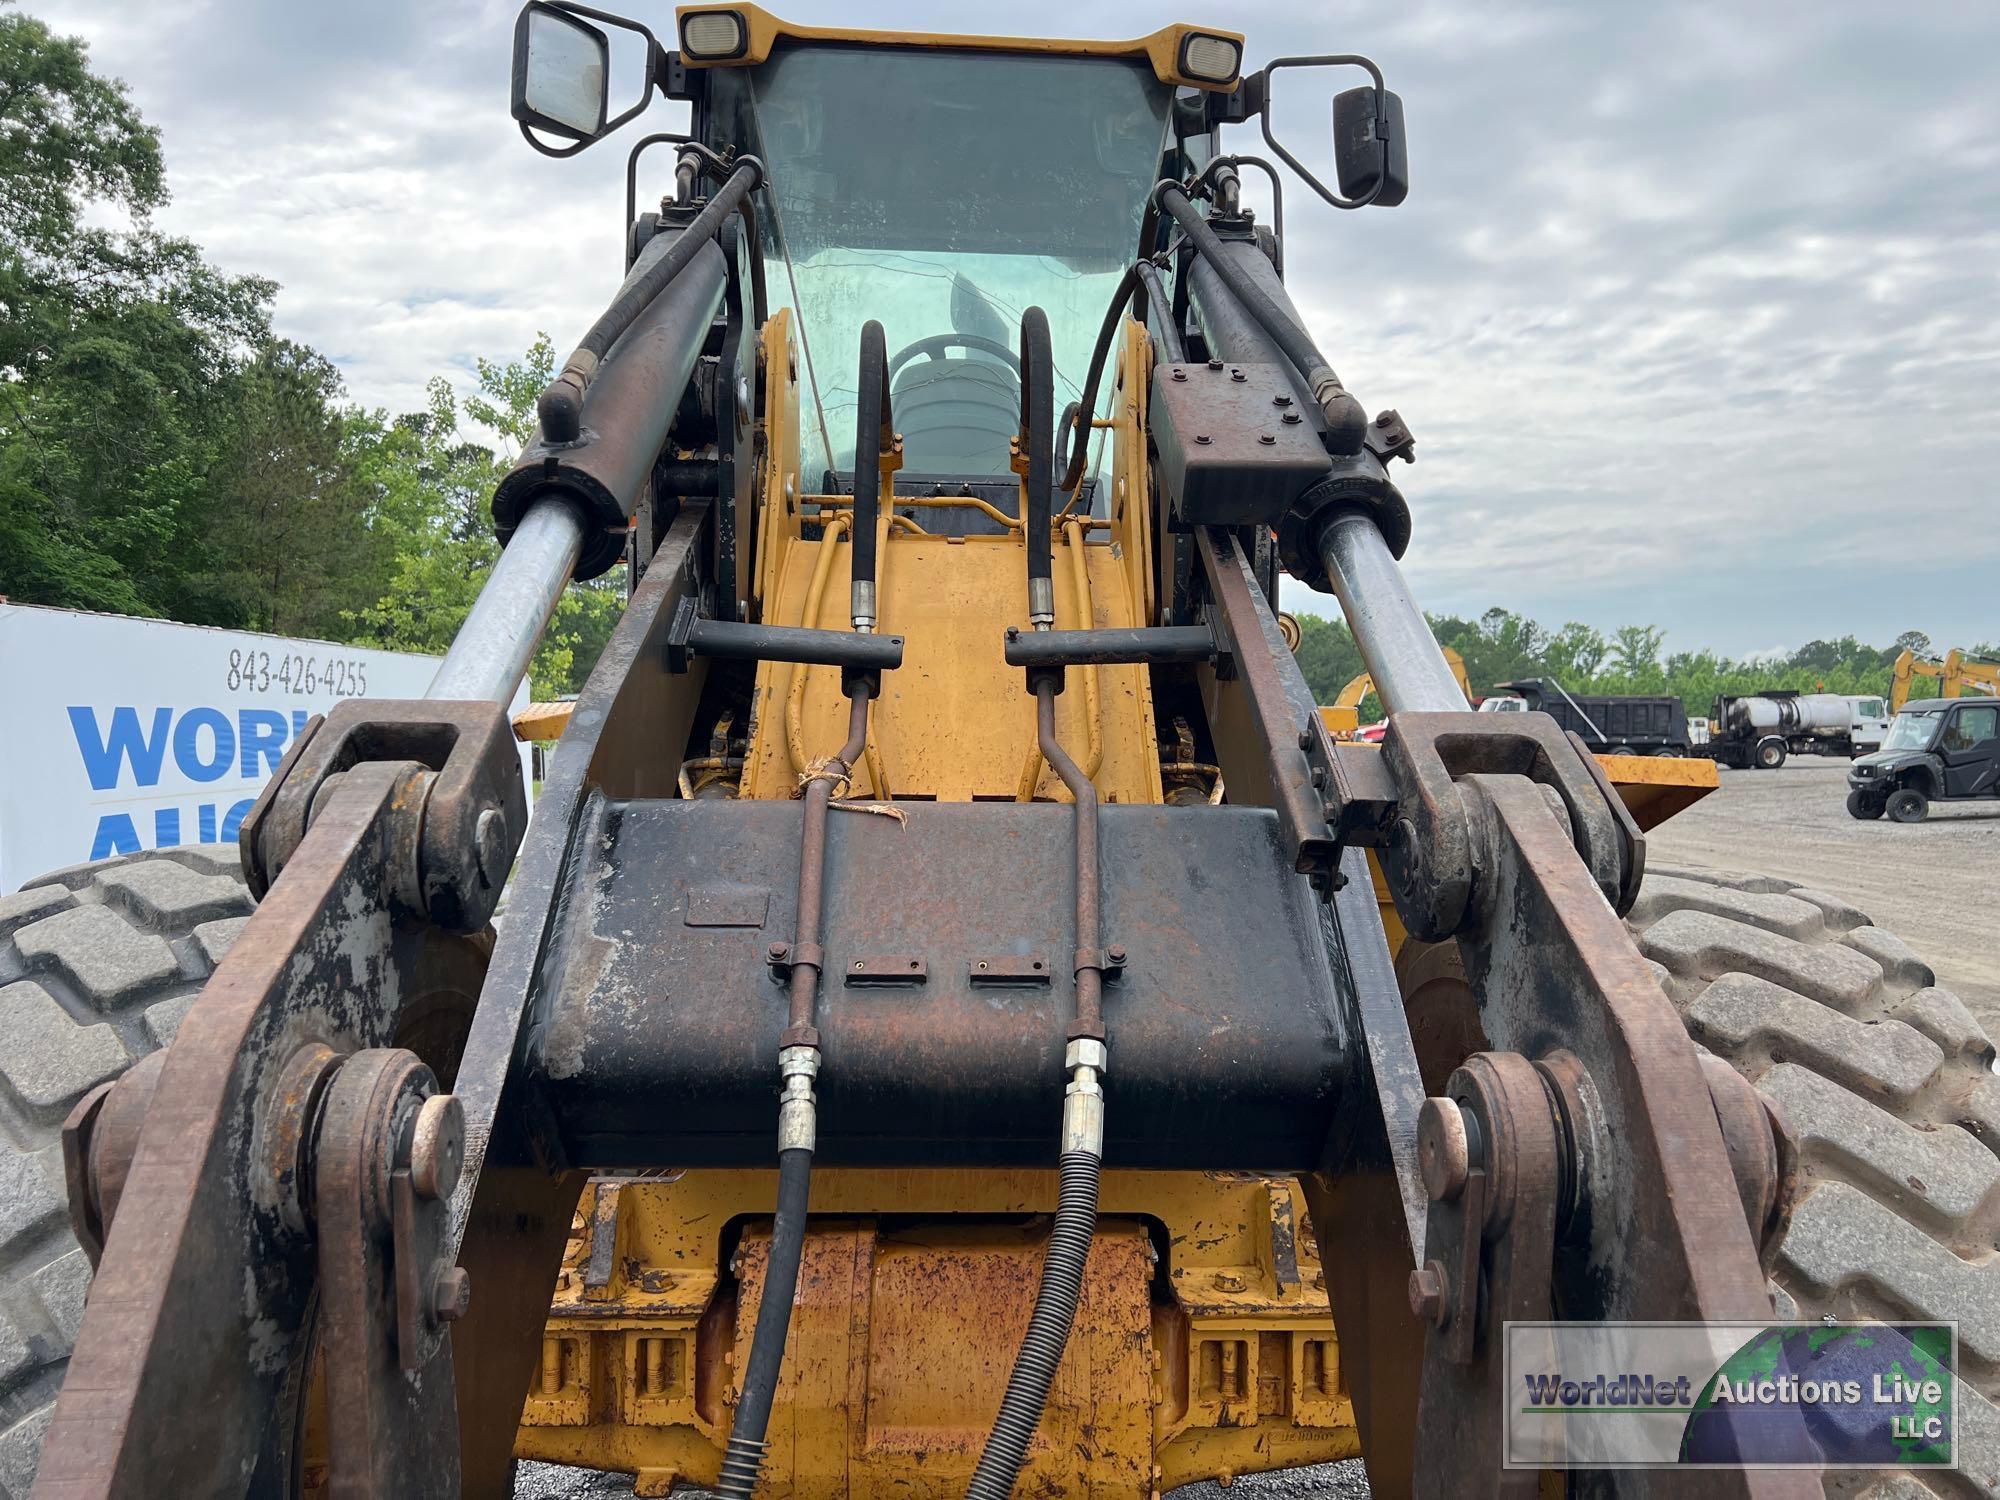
{"points": [[1935, 884]]}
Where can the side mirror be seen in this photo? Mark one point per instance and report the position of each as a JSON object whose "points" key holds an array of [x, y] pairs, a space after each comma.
{"points": [[1371, 154], [1371, 158], [562, 73]]}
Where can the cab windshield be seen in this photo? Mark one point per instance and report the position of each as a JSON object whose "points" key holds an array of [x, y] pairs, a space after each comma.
{"points": [[942, 193], [1911, 730]]}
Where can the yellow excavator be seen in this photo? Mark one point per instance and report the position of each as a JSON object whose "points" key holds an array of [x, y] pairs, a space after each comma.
{"points": [[960, 1023], [1956, 675], [1343, 715]]}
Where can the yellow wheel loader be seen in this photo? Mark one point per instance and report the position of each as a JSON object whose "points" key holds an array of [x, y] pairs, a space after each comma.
{"points": [[960, 1024]]}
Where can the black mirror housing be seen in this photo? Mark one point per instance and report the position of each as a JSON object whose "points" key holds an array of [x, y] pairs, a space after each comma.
{"points": [[1369, 149], [562, 73]]}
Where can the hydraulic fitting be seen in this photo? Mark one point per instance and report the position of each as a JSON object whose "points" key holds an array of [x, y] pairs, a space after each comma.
{"points": [[1041, 603], [863, 606], [797, 1067], [1083, 1101]]}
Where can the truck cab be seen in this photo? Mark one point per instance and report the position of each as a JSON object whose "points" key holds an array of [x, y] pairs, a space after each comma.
{"points": [[1868, 723], [1936, 750]]}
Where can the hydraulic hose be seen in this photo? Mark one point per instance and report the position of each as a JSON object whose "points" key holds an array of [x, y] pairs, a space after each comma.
{"points": [[798, 1065], [1036, 459], [560, 406], [874, 435], [1078, 1162], [1048, 1331], [1347, 423], [1171, 347], [743, 1460], [1080, 414]]}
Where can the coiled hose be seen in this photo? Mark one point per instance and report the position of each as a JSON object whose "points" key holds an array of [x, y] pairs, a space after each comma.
{"points": [[1048, 1330], [744, 1458]]}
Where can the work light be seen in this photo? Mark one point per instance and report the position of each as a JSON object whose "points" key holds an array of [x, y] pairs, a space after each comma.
{"points": [[714, 35]]}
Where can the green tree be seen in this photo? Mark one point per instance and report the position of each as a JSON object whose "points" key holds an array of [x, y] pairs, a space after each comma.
{"points": [[1635, 649], [126, 361], [432, 482], [1327, 655], [286, 531]]}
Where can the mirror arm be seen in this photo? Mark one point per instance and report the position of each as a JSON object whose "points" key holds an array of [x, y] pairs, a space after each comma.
{"points": [[1345, 59]]}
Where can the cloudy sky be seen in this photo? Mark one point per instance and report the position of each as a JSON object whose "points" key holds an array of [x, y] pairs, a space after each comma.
{"points": [[1694, 308]]}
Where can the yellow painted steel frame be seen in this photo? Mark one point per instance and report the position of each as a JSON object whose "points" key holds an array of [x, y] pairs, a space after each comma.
{"points": [[1202, 1347], [1161, 49]]}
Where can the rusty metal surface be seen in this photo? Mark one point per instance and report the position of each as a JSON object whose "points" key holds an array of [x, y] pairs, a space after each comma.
{"points": [[452, 861], [1232, 1051], [1368, 1204], [1237, 1367], [884, 969], [202, 1285], [1259, 717], [1489, 1244], [388, 1370], [1431, 851], [1234, 445], [1554, 969]]}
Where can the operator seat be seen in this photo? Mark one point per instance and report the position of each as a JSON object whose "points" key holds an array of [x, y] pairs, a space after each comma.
{"points": [[956, 415]]}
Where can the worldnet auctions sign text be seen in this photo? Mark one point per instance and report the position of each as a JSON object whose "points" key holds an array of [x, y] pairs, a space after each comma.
{"points": [[126, 734], [1731, 1395]]}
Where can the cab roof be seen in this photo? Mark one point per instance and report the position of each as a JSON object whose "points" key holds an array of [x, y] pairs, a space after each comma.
{"points": [[1166, 50], [1932, 705]]}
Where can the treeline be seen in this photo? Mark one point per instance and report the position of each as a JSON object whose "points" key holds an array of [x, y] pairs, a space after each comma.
{"points": [[163, 452], [1501, 646]]}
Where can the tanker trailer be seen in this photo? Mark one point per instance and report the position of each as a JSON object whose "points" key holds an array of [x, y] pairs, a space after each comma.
{"points": [[1761, 730]]}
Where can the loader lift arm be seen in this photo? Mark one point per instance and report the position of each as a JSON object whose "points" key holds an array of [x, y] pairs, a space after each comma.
{"points": [[1581, 1190]]}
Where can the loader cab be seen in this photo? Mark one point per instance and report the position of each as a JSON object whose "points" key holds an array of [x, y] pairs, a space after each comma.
{"points": [[940, 192]]}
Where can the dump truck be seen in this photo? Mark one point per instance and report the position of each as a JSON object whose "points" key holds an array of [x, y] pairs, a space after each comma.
{"points": [[1609, 723], [960, 1023]]}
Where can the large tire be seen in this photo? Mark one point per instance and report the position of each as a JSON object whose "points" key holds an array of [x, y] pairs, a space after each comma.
{"points": [[1770, 754], [1888, 1083], [98, 965]]}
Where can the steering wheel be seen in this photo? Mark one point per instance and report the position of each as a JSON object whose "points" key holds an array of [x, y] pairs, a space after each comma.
{"points": [[937, 343]]}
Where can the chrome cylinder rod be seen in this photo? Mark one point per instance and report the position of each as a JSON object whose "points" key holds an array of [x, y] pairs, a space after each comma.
{"points": [[491, 653], [1396, 643]]}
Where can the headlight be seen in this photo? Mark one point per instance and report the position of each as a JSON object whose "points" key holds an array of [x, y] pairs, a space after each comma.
{"points": [[1212, 59], [714, 35]]}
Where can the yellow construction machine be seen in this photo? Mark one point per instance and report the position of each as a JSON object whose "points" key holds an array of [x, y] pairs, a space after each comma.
{"points": [[960, 1024], [1955, 675], [1343, 715]]}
